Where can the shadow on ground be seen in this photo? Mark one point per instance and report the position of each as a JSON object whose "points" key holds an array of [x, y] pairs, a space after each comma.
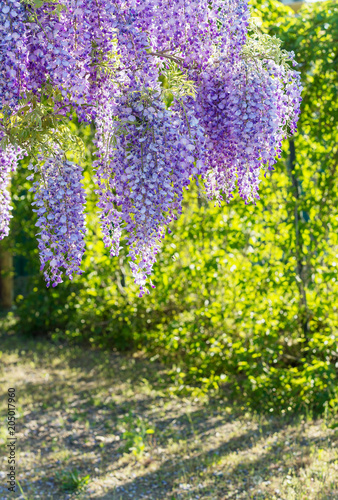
{"points": [[112, 418]]}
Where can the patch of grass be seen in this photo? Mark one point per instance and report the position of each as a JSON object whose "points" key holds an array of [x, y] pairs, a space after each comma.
{"points": [[136, 434], [22, 492], [70, 481]]}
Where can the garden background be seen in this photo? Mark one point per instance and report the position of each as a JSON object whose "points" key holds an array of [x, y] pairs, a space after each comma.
{"points": [[242, 325]]}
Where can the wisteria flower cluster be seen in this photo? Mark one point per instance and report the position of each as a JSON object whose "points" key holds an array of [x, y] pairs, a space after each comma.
{"points": [[154, 155], [245, 111], [14, 54], [176, 90], [8, 165], [59, 203]]}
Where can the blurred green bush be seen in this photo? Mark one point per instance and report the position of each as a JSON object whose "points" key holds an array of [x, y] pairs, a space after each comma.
{"points": [[246, 296]]}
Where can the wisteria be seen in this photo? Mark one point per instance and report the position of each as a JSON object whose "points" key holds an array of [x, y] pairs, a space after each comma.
{"points": [[154, 155], [13, 54], [8, 165], [176, 89], [59, 201], [13, 78], [245, 113]]}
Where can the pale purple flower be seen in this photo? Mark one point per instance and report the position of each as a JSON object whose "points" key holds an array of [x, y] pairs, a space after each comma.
{"points": [[104, 58], [59, 200]]}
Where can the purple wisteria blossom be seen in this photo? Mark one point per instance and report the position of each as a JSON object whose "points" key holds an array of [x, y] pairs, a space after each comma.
{"points": [[108, 62], [59, 201], [8, 165], [246, 111], [147, 156], [13, 54]]}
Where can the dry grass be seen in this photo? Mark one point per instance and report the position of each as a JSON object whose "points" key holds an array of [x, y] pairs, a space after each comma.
{"points": [[112, 418]]}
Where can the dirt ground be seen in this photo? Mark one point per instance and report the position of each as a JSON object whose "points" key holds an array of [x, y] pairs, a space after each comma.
{"points": [[92, 425]]}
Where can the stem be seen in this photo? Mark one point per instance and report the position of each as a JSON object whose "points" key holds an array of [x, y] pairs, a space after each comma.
{"points": [[176, 59], [300, 269]]}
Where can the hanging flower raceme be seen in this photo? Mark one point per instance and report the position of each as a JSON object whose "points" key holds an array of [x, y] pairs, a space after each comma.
{"points": [[187, 31], [81, 47], [147, 157], [59, 201], [8, 165], [246, 111], [13, 54]]}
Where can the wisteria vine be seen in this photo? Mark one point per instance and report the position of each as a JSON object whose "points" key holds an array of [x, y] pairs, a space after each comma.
{"points": [[176, 89]]}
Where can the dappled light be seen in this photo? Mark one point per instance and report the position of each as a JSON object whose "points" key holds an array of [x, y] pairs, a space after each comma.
{"points": [[168, 168]]}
